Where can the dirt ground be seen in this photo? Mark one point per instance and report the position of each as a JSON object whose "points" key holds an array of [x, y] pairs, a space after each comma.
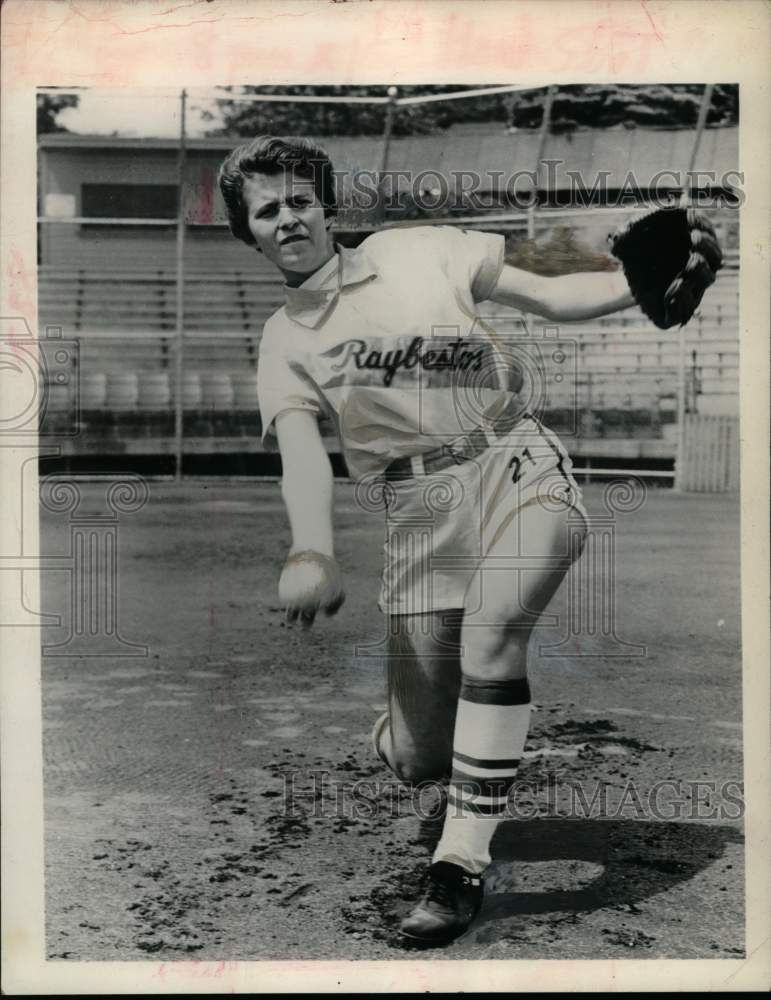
{"points": [[217, 798]]}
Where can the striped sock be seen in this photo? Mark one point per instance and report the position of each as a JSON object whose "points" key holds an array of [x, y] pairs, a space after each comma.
{"points": [[490, 733]]}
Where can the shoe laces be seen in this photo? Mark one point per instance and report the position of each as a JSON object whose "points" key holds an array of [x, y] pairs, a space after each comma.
{"points": [[439, 892]]}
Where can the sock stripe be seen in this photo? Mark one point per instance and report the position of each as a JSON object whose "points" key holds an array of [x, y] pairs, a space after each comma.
{"points": [[478, 809], [495, 692], [492, 765], [470, 773], [483, 786], [489, 739]]}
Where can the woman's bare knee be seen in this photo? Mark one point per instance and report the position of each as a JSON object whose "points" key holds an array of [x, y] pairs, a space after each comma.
{"points": [[496, 652], [513, 597]]}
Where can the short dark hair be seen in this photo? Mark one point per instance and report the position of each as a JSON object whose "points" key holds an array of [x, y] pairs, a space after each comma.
{"points": [[268, 154]]}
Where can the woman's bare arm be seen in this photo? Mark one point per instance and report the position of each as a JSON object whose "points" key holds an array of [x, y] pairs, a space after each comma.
{"points": [[567, 297], [307, 481]]}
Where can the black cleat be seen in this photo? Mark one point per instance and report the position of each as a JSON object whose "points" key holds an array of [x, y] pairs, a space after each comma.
{"points": [[450, 903]]}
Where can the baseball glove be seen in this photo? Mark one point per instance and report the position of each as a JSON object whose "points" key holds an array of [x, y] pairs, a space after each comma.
{"points": [[670, 258]]}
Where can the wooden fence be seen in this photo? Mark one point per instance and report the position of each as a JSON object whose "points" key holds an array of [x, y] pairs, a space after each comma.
{"points": [[709, 457]]}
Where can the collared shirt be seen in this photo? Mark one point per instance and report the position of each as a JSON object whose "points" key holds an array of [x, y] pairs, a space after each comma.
{"points": [[385, 340], [309, 302]]}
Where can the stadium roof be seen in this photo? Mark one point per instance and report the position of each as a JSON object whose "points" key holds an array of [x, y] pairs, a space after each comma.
{"points": [[620, 151], [68, 140]]}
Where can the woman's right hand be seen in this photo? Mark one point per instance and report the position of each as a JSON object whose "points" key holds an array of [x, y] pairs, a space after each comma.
{"points": [[310, 582]]}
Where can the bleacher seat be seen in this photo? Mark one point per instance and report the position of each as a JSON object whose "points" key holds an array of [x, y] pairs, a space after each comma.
{"points": [[154, 391], [216, 391], [244, 390], [192, 396], [93, 390], [122, 391], [126, 321]]}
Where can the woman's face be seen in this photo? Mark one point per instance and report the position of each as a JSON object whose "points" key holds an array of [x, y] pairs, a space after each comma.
{"points": [[287, 222]]}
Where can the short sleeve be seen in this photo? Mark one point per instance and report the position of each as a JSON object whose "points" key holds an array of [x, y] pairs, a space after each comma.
{"points": [[282, 385], [476, 258]]}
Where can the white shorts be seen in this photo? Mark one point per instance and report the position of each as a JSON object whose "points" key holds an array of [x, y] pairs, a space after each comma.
{"points": [[440, 526]]}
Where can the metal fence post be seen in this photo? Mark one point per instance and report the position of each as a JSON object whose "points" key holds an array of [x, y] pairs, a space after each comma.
{"points": [[682, 387], [393, 94], [543, 136], [180, 287]]}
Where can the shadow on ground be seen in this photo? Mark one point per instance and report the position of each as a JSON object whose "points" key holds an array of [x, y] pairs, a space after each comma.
{"points": [[639, 860], [629, 862]]}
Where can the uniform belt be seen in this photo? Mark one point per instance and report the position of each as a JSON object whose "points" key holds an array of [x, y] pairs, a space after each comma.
{"points": [[461, 450]]}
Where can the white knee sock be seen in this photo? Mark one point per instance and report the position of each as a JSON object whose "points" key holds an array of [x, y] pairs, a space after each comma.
{"points": [[490, 733]]}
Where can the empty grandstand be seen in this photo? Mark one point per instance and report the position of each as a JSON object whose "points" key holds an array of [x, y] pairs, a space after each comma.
{"points": [[108, 280]]}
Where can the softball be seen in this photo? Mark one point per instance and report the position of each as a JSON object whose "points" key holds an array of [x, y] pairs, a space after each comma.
{"points": [[310, 581]]}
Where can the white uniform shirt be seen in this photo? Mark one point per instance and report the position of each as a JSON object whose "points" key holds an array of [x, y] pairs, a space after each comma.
{"points": [[375, 340]]}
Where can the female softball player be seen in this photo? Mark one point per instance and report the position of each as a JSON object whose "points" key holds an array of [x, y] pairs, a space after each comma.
{"points": [[483, 515]]}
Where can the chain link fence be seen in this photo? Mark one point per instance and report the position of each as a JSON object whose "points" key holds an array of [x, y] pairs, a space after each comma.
{"points": [[167, 311]]}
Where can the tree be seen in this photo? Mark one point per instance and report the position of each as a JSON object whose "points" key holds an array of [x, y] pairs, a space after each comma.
{"points": [[574, 107], [239, 118], [49, 107], [631, 106]]}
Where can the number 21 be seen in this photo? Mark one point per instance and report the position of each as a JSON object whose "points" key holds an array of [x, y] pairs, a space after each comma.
{"points": [[516, 464]]}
